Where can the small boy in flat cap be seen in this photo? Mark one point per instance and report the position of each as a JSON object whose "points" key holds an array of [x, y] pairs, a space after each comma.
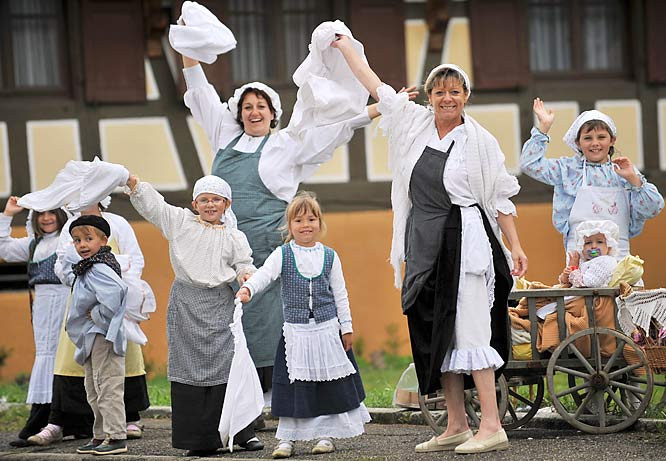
{"points": [[95, 326]]}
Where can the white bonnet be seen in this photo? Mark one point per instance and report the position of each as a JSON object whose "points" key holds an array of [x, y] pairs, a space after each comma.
{"points": [[211, 184], [275, 98], [433, 73], [610, 230], [572, 133]]}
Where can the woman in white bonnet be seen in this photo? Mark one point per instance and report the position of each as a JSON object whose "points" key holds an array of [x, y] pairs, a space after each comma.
{"points": [[449, 175], [593, 184]]}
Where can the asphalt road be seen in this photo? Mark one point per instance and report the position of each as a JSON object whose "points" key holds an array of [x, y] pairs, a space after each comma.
{"points": [[384, 442]]}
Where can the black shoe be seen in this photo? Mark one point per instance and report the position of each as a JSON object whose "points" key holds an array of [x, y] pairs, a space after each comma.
{"points": [[254, 444], [201, 453], [89, 447], [110, 447], [19, 443]]}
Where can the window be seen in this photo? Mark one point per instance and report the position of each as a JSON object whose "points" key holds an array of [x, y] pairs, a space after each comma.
{"points": [[273, 36], [577, 36], [31, 45]]}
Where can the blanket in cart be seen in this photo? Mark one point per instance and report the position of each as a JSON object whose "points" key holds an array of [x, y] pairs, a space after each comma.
{"points": [[575, 318]]}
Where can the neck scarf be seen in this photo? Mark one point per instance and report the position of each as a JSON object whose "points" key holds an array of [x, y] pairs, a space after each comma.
{"points": [[103, 256]]}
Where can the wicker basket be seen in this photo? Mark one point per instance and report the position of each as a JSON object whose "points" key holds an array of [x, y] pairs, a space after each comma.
{"points": [[656, 358]]}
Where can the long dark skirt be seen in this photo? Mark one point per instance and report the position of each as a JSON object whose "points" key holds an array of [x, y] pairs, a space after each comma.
{"points": [[38, 418], [307, 399], [195, 417], [70, 409]]}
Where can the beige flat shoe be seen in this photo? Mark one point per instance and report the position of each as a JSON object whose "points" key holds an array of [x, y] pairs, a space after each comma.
{"points": [[445, 444], [494, 442], [284, 449], [323, 446]]}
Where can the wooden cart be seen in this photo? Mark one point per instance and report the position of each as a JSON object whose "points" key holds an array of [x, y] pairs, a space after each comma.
{"points": [[594, 393]]}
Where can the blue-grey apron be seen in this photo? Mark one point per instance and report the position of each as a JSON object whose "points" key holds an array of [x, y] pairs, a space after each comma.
{"points": [[260, 215]]}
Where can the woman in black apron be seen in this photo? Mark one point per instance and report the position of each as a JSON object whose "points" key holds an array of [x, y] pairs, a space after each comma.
{"points": [[450, 198]]}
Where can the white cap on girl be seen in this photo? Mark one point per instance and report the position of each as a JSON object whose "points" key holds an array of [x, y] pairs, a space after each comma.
{"points": [[212, 184], [275, 98], [587, 228], [572, 133]]}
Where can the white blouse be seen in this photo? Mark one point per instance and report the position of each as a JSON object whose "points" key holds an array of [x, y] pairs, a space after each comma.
{"points": [[288, 157], [309, 261], [18, 249], [201, 254]]}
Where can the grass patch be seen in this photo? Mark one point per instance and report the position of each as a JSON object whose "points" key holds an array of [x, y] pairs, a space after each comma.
{"points": [[14, 418], [13, 392]]}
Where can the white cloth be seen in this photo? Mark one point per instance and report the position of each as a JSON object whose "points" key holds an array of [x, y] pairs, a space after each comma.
{"points": [[244, 398], [588, 228], [211, 184], [314, 352], [572, 133], [78, 186], [338, 426], [600, 203], [433, 73], [595, 273], [329, 92], [409, 127], [201, 254], [272, 94], [289, 157], [199, 34], [309, 261], [639, 307], [48, 309]]}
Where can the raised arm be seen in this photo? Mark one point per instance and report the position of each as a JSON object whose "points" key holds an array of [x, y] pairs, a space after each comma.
{"points": [[361, 69], [151, 205], [12, 249]]}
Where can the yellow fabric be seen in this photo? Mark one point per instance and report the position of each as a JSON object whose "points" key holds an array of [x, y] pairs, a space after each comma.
{"points": [[522, 351], [64, 361], [628, 270]]}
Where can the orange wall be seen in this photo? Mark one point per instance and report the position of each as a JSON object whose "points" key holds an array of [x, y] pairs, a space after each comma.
{"points": [[362, 240]]}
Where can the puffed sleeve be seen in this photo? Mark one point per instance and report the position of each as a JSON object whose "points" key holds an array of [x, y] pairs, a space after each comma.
{"points": [[12, 249], [127, 244], [533, 161], [646, 202], [242, 255], [506, 186], [66, 256], [151, 205], [207, 109]]}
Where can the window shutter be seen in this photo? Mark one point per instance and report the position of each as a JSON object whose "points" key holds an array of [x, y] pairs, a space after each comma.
{"points": [[655, 38], [380, 26], [218, 73], [499, 43], [113, 51]]}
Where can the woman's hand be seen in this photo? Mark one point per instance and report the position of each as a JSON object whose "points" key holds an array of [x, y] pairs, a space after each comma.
{"points": [[12, 207], [347, 341], [519, 261], [244, 295], [132, 181], [411, 91], [626, 170], [545, 116]]}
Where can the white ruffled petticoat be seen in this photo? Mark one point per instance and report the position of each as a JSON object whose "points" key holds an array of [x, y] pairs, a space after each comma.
{"points": [[338, 426], [314, 352]]}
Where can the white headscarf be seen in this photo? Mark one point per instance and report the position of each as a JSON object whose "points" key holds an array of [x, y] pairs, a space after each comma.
{"points": [[433, 73], [272, 94], [572, 133], [587, 228], [212, 184]]}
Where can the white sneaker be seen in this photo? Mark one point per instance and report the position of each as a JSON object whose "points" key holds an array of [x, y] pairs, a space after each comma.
{"points": [[48, 435]]}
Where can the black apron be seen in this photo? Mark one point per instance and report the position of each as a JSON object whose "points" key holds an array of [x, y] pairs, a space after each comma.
{"points": [[432, 271]]}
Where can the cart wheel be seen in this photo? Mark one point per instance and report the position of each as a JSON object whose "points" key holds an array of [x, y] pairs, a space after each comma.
{"points": [[612, 397], [525, 397], [433, 406]]}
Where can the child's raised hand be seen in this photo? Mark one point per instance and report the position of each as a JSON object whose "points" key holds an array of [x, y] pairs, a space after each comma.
{"points": [[564, 276], [574, 258], [545, 116], [244, 295], [340, 41], [411, 91], [626, 170], [12, 207], [347, 341], [132, 181]]}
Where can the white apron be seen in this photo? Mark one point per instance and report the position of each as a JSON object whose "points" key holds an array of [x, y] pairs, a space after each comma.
{"points": [[595, 203]]}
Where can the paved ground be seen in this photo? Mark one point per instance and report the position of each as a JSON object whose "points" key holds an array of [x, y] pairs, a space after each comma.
{"points": [[384, 442]]}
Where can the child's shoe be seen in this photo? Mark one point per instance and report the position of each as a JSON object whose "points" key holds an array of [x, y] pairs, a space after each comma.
{"points": [[323, 446], [134, 430], [284, 449], [89, 447], [50, 434], [111, 447]]}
